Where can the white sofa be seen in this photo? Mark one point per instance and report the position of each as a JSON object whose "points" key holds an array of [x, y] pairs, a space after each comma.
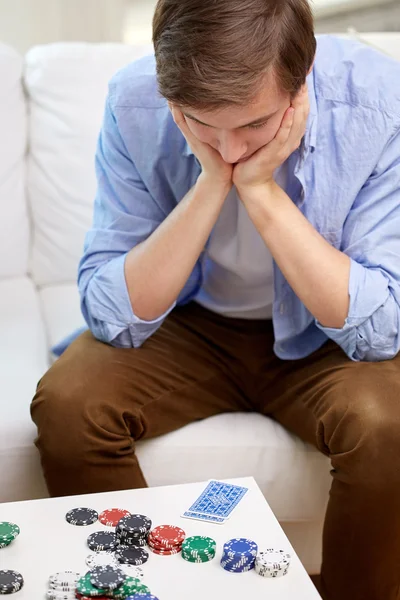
{"points": [[51, 107]]}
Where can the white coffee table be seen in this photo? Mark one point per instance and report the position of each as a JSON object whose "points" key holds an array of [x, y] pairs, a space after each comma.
{"points": [[48, 544]]}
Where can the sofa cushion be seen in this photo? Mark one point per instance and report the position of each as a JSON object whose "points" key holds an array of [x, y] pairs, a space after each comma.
{"points": [[23, 360], [14, 222], [67, 86]]}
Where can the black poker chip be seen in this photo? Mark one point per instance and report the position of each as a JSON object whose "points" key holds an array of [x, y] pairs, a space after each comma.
{"points": [[107, 577], [131, 555], [10, 582], [132, 541], [82, 516], [132, 525], [102, 540]]}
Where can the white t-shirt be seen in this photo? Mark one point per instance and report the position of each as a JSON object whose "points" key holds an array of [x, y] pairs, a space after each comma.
{"points": [[237, 266]]}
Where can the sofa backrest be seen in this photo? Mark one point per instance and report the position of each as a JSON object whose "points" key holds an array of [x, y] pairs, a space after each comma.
{"points": [[67, 85], [14, 221]]}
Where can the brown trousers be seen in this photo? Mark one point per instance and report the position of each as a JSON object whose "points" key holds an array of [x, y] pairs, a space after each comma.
{"points": [[96, 400]]}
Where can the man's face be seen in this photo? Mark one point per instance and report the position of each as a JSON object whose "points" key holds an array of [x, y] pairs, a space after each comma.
{"points": [[228, 130]]}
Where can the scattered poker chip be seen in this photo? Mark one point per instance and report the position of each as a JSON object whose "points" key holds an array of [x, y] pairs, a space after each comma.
{"points": [[81, 516], [102, 540], [101, 559], [10, 581], [107, 577], [130, 587], [134, 525], [85, 587], [168, 536], [272, 563], [132, 555], [111, 516], [8, 532]]}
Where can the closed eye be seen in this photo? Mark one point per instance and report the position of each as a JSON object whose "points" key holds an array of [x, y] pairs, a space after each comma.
{"points": [[259, 126]]}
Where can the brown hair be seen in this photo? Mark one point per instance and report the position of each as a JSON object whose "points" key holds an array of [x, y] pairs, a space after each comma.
{"points": [[211, 54]]}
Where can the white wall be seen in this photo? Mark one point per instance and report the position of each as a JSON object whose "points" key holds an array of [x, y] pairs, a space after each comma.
{"points": [[24, 23]]}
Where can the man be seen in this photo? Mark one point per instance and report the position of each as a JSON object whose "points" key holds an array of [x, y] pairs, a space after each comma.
{"points": [[245, 256]]}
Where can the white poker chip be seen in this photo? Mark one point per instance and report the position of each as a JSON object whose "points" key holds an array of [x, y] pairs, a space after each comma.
{"points": [[101, 559], [272, 563], [56, 595], [65, 578], [131, 570]]}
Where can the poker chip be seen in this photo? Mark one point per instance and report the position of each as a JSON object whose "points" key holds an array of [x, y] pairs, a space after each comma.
{"points": [[131, 570], [239, 555], [101, 559], [57, 595], [164, 551], [131, 586], [272, 563], [64, 579], [4, 544], [8, 532], [240, 547], [107, 577], [102, 540], [133, 525], [85, 587], [167, 536], [142, 597], [111, 516], [132, 555], [131, 541], [10, 581], [81, 516], [198, 549]]}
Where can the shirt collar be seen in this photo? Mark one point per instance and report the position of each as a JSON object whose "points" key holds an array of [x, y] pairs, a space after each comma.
{"points": [[310, 137]]}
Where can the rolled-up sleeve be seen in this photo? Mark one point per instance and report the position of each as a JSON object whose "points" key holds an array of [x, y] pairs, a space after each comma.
{"points": [[125, 214], [371, 238]]}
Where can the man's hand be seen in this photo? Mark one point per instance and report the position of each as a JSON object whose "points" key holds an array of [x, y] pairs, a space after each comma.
{"points": [[213, 166], [255, 174]]}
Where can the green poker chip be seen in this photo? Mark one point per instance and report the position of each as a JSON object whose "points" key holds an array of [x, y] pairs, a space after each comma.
{"points": [[8, 532], [85, 587], [199, 548], [131, 586]]}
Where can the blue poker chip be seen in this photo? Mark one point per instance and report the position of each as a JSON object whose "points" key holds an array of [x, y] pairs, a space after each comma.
{"points": [[240, 547], [107, 577], [103, 540], [10, 581], [142, 597]]}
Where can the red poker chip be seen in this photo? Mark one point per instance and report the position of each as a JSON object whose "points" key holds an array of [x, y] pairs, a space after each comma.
{"points": [[111, 516], [156, 544], [164, 551], [168, 536]]}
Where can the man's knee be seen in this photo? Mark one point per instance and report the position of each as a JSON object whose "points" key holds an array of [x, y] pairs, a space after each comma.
{"points": [[363, 425]]}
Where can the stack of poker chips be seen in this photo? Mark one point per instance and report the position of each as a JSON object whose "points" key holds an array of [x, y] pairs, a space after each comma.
{"points": [[272, 563], [239, 555], [199, 549], [62, 585], [109, 582], [132, 530], [8, 533], [166, 539]]}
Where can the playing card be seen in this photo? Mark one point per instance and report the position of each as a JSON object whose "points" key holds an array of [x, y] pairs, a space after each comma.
{"points": [[218, 499], [206, 518]]}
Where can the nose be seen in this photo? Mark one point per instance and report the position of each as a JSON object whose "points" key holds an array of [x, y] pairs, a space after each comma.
{"points": [[231, 148]]}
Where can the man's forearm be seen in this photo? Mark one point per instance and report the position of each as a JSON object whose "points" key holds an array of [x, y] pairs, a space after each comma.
{"points": [[157, 269], [317, 272]]}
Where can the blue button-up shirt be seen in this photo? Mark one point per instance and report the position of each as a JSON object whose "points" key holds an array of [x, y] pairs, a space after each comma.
{"points": [[345, 179]]}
